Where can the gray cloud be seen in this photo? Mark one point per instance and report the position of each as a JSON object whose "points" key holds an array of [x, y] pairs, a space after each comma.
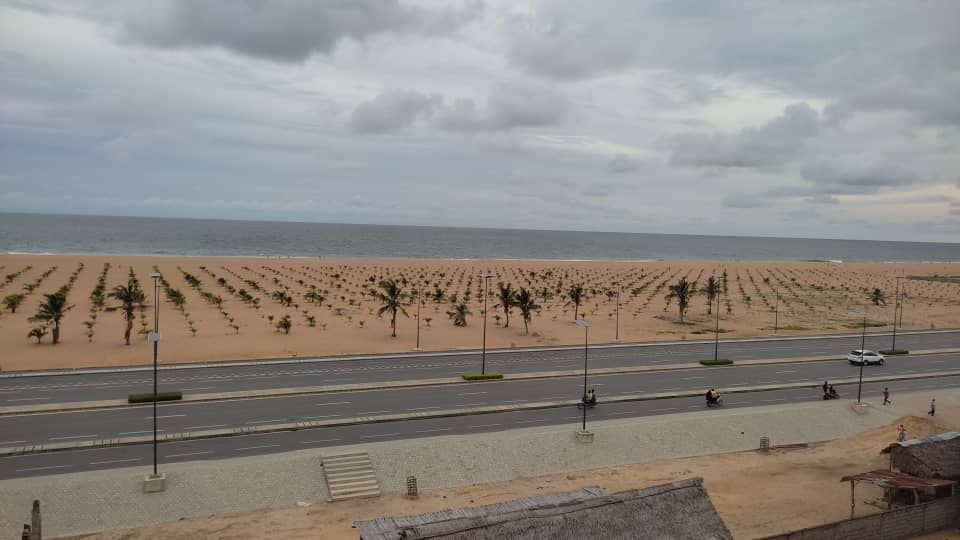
{"points": [[622, 163], [822, 198], [865, 172], [955, 208], [769, 144], [508, 106], [745, 201], [281, 30], [392, 111]]}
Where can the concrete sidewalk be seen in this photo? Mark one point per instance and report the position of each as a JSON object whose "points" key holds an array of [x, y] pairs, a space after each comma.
{"points": [[100, 500]]}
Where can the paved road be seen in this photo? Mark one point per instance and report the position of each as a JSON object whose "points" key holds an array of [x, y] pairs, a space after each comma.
{"points": [[66, 388], [135, 421], [231, 447]]}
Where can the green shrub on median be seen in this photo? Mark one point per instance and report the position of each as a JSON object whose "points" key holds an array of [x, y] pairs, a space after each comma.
{"points": [[718, 362], [894, 352], [148, 398], [482, 376]]}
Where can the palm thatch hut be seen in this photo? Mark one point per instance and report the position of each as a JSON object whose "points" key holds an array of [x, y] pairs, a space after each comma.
{"points": [[937, 456], [679, 510]]}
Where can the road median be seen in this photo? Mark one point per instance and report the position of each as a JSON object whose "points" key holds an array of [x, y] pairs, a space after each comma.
{"points": [[402, 417], [392, 385]]}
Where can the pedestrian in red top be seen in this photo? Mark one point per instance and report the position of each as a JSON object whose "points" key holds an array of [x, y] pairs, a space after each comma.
{"points": [[886, 395]]}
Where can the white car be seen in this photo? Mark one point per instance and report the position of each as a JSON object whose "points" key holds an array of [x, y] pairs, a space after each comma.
{"points": [[865, 357]]}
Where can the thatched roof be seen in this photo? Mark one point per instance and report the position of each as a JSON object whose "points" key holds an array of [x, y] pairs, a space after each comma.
{"points": [[680, 510]]}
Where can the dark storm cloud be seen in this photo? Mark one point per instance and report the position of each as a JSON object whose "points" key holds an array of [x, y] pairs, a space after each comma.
{"points": [[769, 144], [282, 30]]}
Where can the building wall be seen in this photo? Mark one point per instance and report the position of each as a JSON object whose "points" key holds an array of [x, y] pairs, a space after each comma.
{"points": [[893, 525]]}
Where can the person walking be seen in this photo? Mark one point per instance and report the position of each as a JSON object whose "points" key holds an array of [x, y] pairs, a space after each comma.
{"points": [[825, 385], [933, 407], [901, 433], [886, 395]]}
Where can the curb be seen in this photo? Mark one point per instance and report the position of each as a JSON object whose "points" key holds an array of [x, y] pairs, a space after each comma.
{"points": [[400, 417], [391, 356], [415, 383]]}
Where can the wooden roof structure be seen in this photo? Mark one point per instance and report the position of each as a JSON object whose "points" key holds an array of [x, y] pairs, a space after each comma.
{"points": [[679, 510]]}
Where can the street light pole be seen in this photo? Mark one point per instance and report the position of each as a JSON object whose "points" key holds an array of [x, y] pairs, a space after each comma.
{"points": [[617, 332], [419, 301], [716, 334], [776, 313], [486, 289], [155, 338], [863, 343], [586, 326], [896, 306]]}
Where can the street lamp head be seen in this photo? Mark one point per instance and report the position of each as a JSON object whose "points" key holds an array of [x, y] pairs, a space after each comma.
{"points": [[582, 323], [487, 276], [154, 275]]}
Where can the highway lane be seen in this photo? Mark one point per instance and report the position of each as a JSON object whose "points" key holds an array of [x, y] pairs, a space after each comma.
{"points": [[74, 387], [133, 421], [140, 456]]}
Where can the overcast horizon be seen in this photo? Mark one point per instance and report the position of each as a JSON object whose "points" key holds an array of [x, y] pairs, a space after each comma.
{"points": [[819, 119]]}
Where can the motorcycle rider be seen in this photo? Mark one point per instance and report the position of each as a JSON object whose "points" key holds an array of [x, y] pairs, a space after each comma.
{"points": [[713, 396]]}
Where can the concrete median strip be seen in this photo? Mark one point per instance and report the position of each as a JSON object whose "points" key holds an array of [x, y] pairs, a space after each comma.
{"points": [[380, 419], [391, 385]]}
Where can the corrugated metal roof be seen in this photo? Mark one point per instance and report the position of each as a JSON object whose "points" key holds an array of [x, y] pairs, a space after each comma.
{"points": [[940, 437], [890, 479]]}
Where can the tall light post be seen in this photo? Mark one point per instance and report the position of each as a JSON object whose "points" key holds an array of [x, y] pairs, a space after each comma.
{"points": [[155, 338], [863, 343], [776, 313], [716, 334], [486, 289], [586, 330], [419, 301], [896, 306], [616, 336]]}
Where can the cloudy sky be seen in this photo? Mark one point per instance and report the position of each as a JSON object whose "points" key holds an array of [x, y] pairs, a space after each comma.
{"points": [[837, 119]]}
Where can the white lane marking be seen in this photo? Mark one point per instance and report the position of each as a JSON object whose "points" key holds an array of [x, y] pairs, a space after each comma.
{"points": [[772, 400], [195, 389], [320, 416], [736, 402], [43, 468], [664, 409], [932, 362], [375, 412], [265, 421], [28, 399], [691, 378], [470, 393], [472, 405], [142, 431], [485, 425], [422, 408], [258, 447], [73, 437], [432, 430], [11, 442], [380, 435], [622, 412], [767, 382], [115, 461], [188, 454], [571, 417], [515, 401], [165, 416], [787, 371], [557, 397], [320, 441], [529, 421], [204, 427], [334, 403]]}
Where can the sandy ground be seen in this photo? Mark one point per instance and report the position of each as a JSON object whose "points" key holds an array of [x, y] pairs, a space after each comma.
{"points": [[756, 493], [814, 298]]}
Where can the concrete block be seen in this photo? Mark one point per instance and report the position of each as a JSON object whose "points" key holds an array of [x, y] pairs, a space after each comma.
{"points": [[155, 484], [585, 437]]}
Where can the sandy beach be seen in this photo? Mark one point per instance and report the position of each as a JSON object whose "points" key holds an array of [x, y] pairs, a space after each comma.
{"points": [[219, 322]]}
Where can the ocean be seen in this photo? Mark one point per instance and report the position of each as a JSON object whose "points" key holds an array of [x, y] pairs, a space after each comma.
{"points": [[38, 233]]}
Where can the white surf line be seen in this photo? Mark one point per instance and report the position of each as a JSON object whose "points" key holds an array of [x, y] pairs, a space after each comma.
{"points": [[110, 461], [205, 427], [488, 425], [380, 435], [258, 447], [73, 437], [422, 408], [321, 416], [266, 421], [142, 431], [165, 416], [375, 412], [43, 468], [320, 441], [188, 454], [28, 399], [471, 393], [11, 442], [432, 430], [334, 403]]}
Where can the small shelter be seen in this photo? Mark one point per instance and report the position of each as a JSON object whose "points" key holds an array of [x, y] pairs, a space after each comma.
{"points": [[900, 488], [679, 510], [937, 456]]}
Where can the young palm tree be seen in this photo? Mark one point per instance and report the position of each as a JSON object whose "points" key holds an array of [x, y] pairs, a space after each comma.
{"points": [[129, 296], [576, 298], [508, 299], [284, 324], [527, 306], [878, 297], [391, 296], [12, 301], [38, 333], [712, 290], [682, 291], [52, 310], [459, 314]]}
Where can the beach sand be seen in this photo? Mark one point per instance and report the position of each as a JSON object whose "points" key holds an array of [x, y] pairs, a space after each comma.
{"points": [[815, 297]]}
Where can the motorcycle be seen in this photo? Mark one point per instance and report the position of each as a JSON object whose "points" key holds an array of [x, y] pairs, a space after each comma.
{"points": [[715, 402], [588, 404]]}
